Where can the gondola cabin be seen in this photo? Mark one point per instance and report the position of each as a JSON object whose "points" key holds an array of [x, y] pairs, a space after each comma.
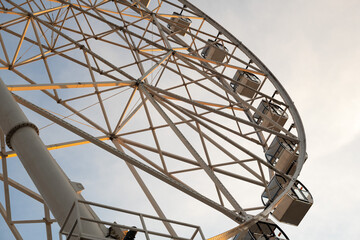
{"points": [[293, 206], [179, 24], [248, 83], [214, 51], [283, 155], [264, 229], [273, 112]]}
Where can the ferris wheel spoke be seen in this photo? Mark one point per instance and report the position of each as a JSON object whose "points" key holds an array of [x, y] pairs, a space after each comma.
{"points": [[197, 124], [158, 90], [227, 129], [177, 184], [147, 193], [170, 93], [184, 121], [88, 24], [122, 123], [75, 42], [50, 77], [84, 37], [155, 150], [4, 50], [57, 21], [142, 156], [117, 127], [69, 85], [132, 113], [98, 94], [154, 67], [224, 172], [20, 42], [91, 94], [215, 143], [207, 67], [15, 21], [206, 168], [164, 38], [125, 39], [129, 40], [112, 24], [64, 104], [154, 135], [240, 177], [61, 145], [219, 107], [42, 32]]}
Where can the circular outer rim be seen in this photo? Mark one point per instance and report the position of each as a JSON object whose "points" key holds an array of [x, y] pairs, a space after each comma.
{"points": [[293, 111]]}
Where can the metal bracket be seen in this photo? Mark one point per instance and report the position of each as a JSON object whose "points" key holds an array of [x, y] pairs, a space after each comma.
{"points": [[17, 127]]}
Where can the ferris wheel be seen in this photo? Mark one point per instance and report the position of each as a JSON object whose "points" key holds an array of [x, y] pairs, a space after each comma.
{"points": [[195, 118]]}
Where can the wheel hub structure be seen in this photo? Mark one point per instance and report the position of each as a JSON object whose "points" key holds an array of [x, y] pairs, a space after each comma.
{"points": [[153, 107]]}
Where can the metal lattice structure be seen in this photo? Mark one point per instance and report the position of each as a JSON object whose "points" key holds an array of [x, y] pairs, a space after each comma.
{"points": [[161, 86]]}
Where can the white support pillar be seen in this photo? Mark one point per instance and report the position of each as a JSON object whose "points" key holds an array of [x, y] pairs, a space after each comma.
{"points": [[51, 182]]}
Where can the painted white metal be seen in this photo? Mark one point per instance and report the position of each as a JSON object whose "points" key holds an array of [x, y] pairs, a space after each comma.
{"points": [[201, 162], [180, 186], [149, 232], [51, 182], [160, 39]]}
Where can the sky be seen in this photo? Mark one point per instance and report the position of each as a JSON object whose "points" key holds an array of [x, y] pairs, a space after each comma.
{"points": [[312, 47]]}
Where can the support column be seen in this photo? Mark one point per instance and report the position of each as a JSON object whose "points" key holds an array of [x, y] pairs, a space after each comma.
{"points": [[51, 182]]}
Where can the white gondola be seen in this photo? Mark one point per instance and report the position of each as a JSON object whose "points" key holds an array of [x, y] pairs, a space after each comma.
{"points": [[282, 154], [273, 112], [293, 206], [214, 51], [143, 2], [264, 229], [248, 83], [179, 24]]}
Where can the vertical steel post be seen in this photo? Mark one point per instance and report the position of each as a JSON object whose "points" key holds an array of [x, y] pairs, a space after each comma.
{"points": [[51, 182]]}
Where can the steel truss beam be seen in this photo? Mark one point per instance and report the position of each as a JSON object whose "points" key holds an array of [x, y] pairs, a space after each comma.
{"points": [[129, 159], [194, 153]]}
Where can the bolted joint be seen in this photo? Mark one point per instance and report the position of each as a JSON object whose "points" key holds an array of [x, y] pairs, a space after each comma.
{"points": [[238, 219], [112, 136], [138, 82]]}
